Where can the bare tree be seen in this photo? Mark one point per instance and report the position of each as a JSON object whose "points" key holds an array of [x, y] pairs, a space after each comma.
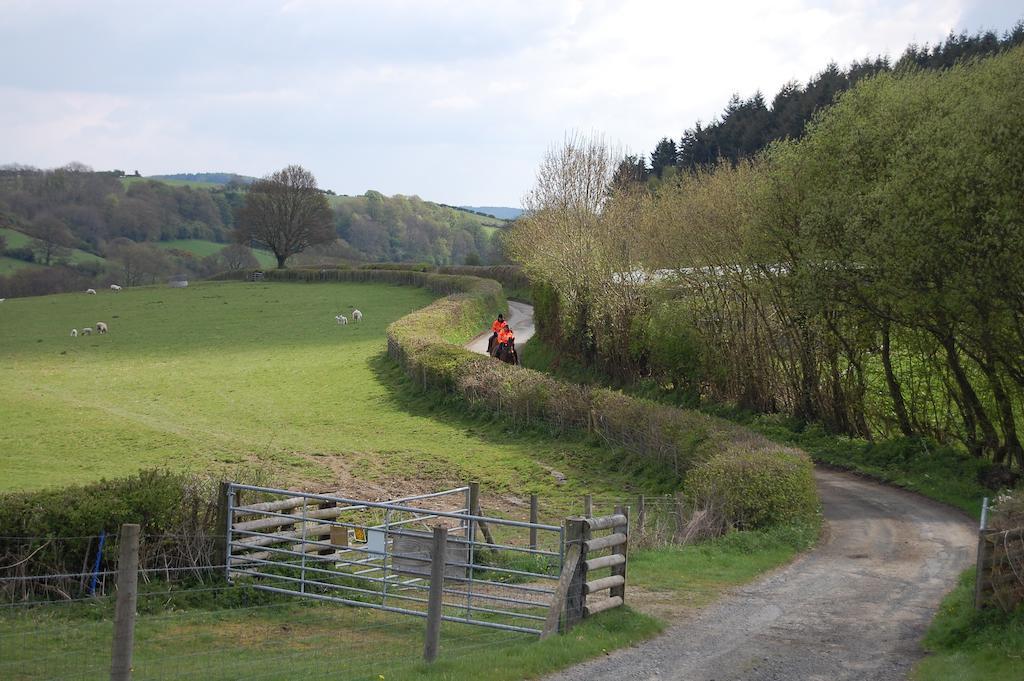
{"points": [[238, 257], [50, 239], [285, 212]]}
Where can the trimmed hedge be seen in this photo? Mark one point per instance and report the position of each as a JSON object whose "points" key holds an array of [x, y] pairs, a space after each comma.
{"points": [[675, 441], [753, 489]]}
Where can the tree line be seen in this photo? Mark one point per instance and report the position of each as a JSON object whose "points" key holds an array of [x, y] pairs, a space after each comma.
{"points": [[868, 276], [102, 213], [747, 126]]}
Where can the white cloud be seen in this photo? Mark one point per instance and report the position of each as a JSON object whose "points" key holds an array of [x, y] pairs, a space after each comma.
{"points": [[453, 101]]}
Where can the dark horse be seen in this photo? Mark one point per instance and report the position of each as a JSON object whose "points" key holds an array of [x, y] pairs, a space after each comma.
{"points": [[506, 352]]}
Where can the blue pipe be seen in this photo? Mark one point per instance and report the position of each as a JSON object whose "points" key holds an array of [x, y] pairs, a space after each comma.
{"points": [[96, 565]]}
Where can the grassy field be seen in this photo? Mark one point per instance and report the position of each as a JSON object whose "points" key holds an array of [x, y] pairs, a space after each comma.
{"points": [[235, 375], [16, 239], [228, 376], [203, 248]]}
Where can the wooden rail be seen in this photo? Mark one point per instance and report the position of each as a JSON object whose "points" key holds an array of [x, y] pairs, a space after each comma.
{"points": [[570, 602]]}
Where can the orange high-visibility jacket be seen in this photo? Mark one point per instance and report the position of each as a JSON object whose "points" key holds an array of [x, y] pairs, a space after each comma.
{"points": [[498, 325], [505, 335]]}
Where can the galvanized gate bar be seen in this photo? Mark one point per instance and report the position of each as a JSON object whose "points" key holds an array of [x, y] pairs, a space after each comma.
{"points": [[366, 553]]}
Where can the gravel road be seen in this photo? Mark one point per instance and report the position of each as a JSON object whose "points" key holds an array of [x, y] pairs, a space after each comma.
{"points": [[854, 608]]}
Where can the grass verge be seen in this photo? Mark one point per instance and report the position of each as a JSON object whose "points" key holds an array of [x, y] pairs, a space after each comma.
{"points": [[967, 645]]}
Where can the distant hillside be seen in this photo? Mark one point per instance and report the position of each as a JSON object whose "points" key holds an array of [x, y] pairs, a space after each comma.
{"points": [[502, 212], [205, 178]]}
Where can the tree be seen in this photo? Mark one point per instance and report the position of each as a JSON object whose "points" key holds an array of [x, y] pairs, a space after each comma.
{"points": [[238, 257], [285, 212], [138, 263], [50, 239], [665, 156]]}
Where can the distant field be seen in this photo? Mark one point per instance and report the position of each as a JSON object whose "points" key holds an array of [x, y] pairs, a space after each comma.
{"points": [[128, 181], [235, 375], [204, 248], [17, 239], [8, 265]]}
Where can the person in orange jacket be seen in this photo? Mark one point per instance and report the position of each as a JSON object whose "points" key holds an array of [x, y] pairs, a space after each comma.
{"points": [[496, 328], [505, 339]]}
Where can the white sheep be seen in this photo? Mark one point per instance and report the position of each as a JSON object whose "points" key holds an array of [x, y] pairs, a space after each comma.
{"points": [[74, 333], [357, 315], [341, 319], [87, 331], [115, 287], [101, 327], [90, 291]]}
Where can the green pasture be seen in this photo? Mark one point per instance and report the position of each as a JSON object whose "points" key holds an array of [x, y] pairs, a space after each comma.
{"points": [[16, 239], [202, 248], [228, 376]]}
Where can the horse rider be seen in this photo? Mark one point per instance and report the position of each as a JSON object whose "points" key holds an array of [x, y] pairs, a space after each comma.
{"points": [[506, 339], [496, 328]]}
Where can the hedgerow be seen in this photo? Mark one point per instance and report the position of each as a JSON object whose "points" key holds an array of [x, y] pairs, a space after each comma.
{"points": [[674, 441]]}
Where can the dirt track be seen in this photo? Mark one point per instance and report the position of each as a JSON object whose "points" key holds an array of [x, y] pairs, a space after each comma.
{"points": [[854, 608]]}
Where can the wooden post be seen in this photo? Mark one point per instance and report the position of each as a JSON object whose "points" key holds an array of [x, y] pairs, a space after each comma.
{"points": [[641, 520], [435, 604], [124, 610], [588, 506], [474, 509], [621, 550], [556, 611], [534, 514], [680, 504], [223, 523], [577, 531]]}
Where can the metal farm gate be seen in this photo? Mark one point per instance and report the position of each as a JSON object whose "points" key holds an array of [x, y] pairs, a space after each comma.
{"points": [[497, 573]]}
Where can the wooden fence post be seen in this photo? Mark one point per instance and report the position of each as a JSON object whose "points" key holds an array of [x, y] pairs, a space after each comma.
{"points": [[223, 522], [534, 514], [124, 610], [588, 506], [474, 509], [641, 520], [435, 604], [577, 532], [621, 549]]}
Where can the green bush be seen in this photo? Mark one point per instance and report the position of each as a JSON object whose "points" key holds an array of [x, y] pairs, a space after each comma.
{"points": [[755, 488]]}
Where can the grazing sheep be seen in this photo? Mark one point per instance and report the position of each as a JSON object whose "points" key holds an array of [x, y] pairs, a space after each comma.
{"points": [[74, 333], [87, 331], [90, 291], [115, 287], [101, 327], [341, 319], [357, 315]]}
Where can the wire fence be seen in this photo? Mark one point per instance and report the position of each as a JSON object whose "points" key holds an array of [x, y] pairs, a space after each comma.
{"points": [[192, 623]]}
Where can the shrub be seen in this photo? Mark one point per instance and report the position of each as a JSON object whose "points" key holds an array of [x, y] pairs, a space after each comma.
{"points": [[54, 531], [755, 488], [23, 253]]}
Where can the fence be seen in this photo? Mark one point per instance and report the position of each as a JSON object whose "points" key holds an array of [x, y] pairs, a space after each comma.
{"points": [[999, 580], [571, 604], [380, 554], [495, 579]]}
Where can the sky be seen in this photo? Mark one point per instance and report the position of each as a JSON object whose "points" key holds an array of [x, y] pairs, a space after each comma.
{"points": [[455, 101]]}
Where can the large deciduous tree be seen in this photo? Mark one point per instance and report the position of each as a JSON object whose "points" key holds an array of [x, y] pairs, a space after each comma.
{"points": [[286, 213]]}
